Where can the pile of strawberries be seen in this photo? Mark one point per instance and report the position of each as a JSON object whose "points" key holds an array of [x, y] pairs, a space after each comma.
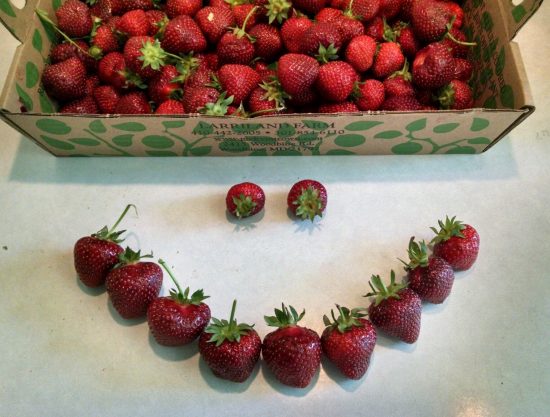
{"points": [[258, 57], [291, 352]]}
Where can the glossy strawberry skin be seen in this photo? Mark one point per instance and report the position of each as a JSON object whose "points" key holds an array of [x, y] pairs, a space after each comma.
{"points": [[292, 32], [343, 107], [370, 95], [94, 258], [335, 81], [65, 80], [195, 98], [176, 324], [232, 49], [133, 55], [399, 318], [429, 20], [214, 22], [360, 52], [183, 35], [106, 97], [293, 354], [74, 18], [176, 8], [350, 351], [233, 361], [388, 60], [238, 80], [133, 23], [84, 105], [134, 102], [460, 253], [170, 107], [297, 73], [246, 189], [432, 283], [299, 187], [401, 103], [133, 287], [433, 66]]}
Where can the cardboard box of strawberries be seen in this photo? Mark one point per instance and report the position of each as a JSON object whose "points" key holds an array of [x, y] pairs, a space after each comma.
{"points": [[275, 77]]}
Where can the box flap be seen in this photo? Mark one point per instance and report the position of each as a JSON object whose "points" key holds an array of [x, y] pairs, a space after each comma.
{"points": [[516, 15], [16, 20]]}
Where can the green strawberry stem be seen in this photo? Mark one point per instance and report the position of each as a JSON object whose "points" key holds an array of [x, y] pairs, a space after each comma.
{"points": [[451, 37], [223, 330], [451, 228], [326, 54], [43, 15], [446, 96], [389, 34], [241, 32], [403, 72], [180, 296], [244, 205], [112, 234], [381, 291]]}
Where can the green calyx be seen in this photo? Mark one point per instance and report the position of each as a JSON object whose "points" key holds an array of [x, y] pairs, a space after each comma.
{"points": [[389, 35], [277, 10], [446, 96], [244, 205], [152, 55], [186, 66], [346, 320], [418, 255], [403, 72], [234, 3], [309, 204], [112, 235], [223, 330], [219, 108], [381, 291], [449, 228], [274, 92], [180, 296], [326, 54], [129, 257], [285, 317], [349, 11]]}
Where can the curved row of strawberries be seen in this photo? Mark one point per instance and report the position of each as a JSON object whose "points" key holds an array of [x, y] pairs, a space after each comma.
{"points": [[258, 57], [292, 352]]}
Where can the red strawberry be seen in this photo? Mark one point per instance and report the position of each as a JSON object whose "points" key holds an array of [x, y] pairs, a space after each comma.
{"points": [[335, 81], [304, 99], [74, 19], [183, 35], [387, 60], [238, 80], [363, 9], [360, 53], [133, 23], [369, 95], [348, 341], [267, 98], [320, 35], [375, 29], [103, 42], [396, 309], [91, 83], [134, 102], [182, 7], [430, 20], [170, 107], [247, 15], [463, 69], [401, 103], [433, 66], [65, 80], [390, 8], [344, 107], [432, 277], [349, 28], [106, 97], [236, 47], [178, 319], [157, 22], [328, 14], [144, 56], [127, 5], [292, 352], [307, 199], [457, 42], [405, 37], [95, 255], [105, 9], [245, 199], [457, 95], [310, 7], [266, 72], [112, 70], [267, 41], [214, 22], [84, 105], [195, 98], [457, 243], [297, 73], [456, 11], [163, 87], [292, 33], [133, 284], [399, 83], [230, 349], [77, 49]]}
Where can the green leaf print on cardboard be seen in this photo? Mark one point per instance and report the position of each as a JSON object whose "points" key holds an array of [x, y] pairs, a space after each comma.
{"points": [[507, 96], [97, 126], [261, 140], [245, 128], [37, 40], [5, 6], [85, 141], [58, 144], [445, 127], [307, 137], [518, 13], [46, 106], [417, 125], [24, 97], [487, 21], [285, 130], [501, 61], [123, 141], [53, 126], [130, 127], [479, 141], [157, 142], [203, 129], [173, 124], [340, 152], [388, 134], [362, 125], [201, 150], [461, 150], [490, 103], [161, 153], [349, 140], [479, 124], [31, 75], [407, 148], [287, 152]]}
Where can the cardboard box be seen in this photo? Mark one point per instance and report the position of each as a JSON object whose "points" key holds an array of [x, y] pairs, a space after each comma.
{"points": [[501, 90]]}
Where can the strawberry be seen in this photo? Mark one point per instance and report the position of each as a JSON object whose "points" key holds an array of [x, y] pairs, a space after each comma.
{"points": [[297, 73], [106, 97], [375, 29], [364, 10], [65, 80], [230, 349], [457, 95], [390, 8], [456, 11], [84, 105], [214, 22], [387, 60], [267, 41], [134, 102], [343, 107], [112, 70], [195, 98], [170, 106], [127, 5], [335, 81], [103, 42], [432, 277], [163, 87], [457, 42], [222, 107], [348, 341], [430, 20], [77, 49], [183, 35], [360, 53], [405, 37], [266, 72], [457, 243], [144, 56], [267, 98], [328, 14], [463, 69], [349, 28], [238, 80], [245, 199], [396, 309], [399, 83], [369, 95], [95, 255], [320, 35], [304, 99], [292, 352], [105, 9], [133, 23], [401, 103], [307, 199], [176, 8], [74, 19], [292, 32], [236, 47], [157, 22], [92, 82], [177, 319], [310, 7], [247, 15], [133, 284], [433, 66]]}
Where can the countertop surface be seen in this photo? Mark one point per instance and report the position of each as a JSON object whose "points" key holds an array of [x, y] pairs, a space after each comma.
{"points": [[483, 353]]}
